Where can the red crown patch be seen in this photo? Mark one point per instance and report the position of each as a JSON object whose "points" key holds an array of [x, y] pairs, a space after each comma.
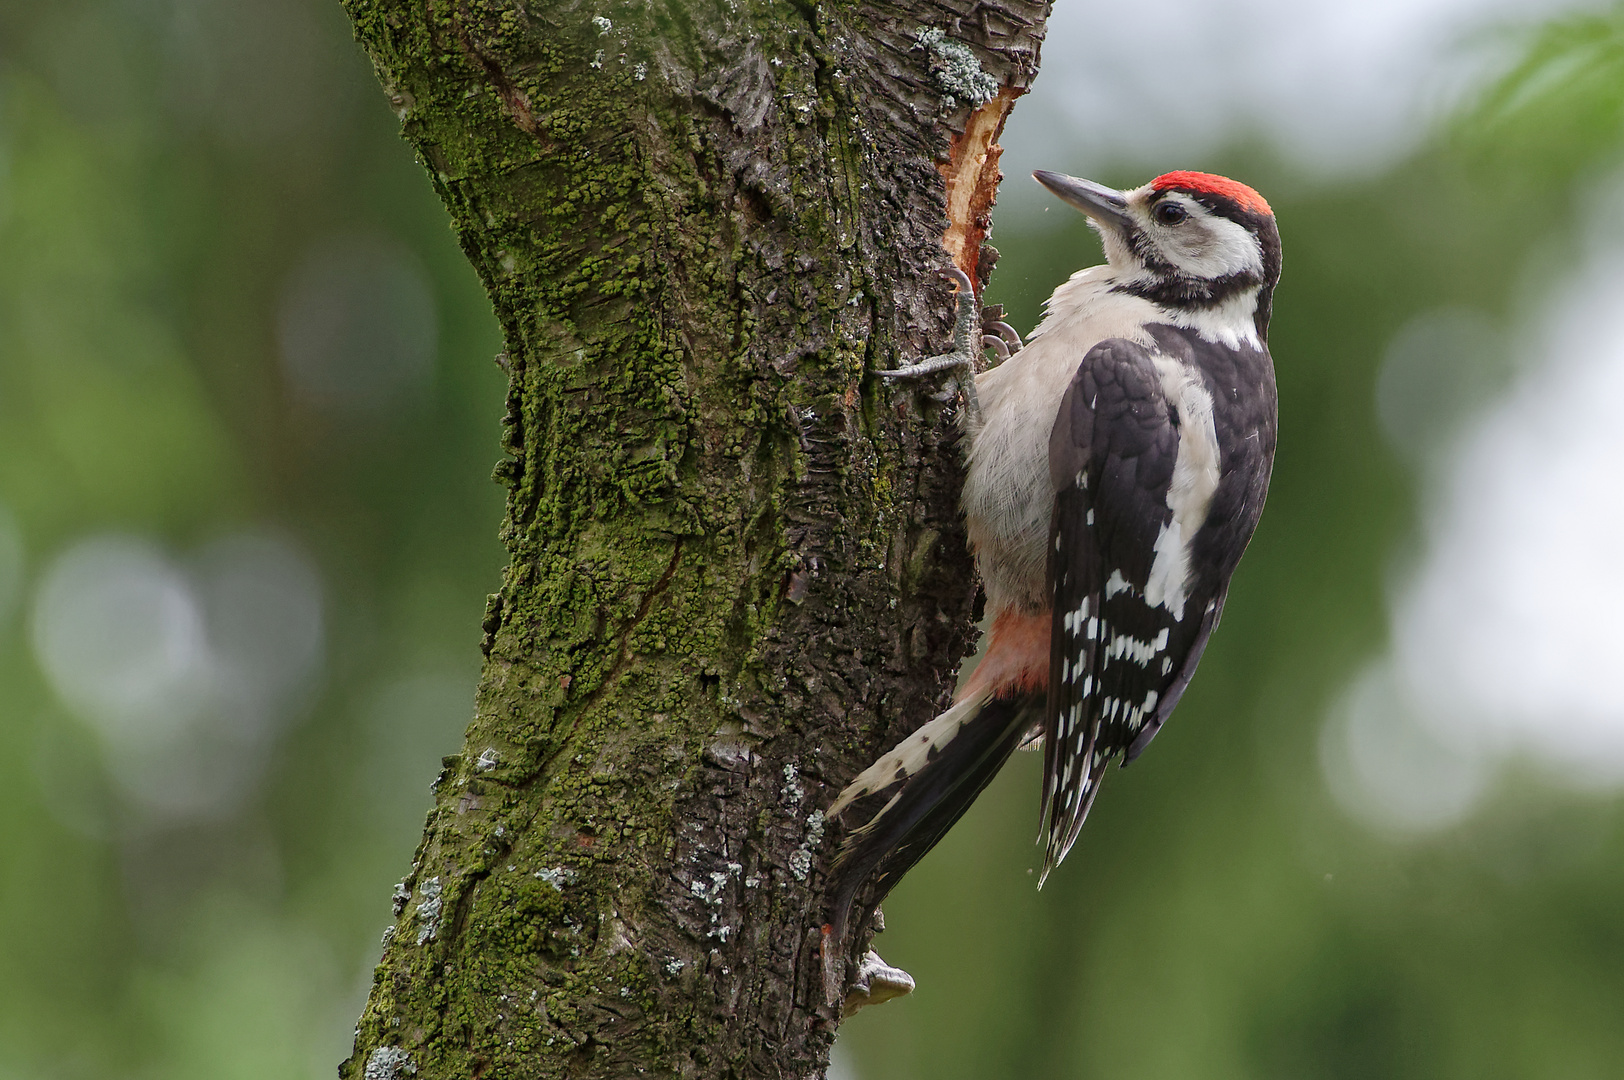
{"points": [[1214, 185]]}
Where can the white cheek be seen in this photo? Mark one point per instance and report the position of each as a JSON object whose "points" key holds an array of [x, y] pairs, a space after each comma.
{"points": [[1220, 248], [1117, 253]]}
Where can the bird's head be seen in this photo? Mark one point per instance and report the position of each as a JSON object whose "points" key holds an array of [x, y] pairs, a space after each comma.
{"points": [[1186, 240]]}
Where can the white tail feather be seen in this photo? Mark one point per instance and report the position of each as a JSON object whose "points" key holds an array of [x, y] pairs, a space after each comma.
{"points": [[911, 754]]}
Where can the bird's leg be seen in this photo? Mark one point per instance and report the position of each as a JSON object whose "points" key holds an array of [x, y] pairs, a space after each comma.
{"points": [[964, 355]]}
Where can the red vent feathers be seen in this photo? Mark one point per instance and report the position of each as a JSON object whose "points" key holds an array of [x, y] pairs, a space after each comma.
{"points": [[1216, 185]]}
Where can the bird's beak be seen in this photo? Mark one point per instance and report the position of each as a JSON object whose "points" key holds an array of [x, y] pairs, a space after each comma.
{"points": [[1107, 206]]}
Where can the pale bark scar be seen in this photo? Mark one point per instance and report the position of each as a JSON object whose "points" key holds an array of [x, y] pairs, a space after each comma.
{"points": [[971, 172]]}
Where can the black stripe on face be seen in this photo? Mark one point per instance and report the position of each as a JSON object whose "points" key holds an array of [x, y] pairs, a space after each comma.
{"points": [[1173, 288]]}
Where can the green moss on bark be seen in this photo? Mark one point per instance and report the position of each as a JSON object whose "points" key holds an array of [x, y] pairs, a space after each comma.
{"points": [[736, 566]]}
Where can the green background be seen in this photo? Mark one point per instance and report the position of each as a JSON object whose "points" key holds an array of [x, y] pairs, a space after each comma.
{"points": [[167, 173]]}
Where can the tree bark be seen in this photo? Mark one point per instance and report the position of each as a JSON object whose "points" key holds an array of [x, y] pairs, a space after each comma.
{"points": [[738, 571]]}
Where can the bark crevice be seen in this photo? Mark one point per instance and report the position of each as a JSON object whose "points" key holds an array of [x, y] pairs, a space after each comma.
{"points": [[737, 568]]}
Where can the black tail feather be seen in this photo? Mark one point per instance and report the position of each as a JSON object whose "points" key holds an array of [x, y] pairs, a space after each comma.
{"points": [[928, 805]]}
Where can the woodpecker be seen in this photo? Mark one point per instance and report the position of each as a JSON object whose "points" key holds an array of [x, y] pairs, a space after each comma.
{"points": [[1117, 467]]}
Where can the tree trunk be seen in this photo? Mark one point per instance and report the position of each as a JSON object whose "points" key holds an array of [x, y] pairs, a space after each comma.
{"points": [[738, 571]]}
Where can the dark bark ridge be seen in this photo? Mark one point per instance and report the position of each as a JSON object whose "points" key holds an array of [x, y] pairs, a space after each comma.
{"points": [[737, 569]]}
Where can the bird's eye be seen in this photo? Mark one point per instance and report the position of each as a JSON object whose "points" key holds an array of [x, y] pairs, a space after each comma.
{"points": [[1169, 213]]}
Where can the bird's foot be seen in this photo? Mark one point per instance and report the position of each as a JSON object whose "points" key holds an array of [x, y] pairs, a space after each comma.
{"points": [[972, 323], [876, 982], [964, 325], [998, 335]]}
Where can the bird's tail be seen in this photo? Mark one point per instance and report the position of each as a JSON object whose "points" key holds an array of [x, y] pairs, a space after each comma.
{"points": [[938, 771]]}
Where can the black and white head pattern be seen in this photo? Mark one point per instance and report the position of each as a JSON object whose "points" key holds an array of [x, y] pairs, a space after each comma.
{"points": [[1190, 240]]}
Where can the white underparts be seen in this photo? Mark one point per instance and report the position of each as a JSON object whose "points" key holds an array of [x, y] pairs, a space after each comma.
{"points": [[1195, 479], [1008, 493]]}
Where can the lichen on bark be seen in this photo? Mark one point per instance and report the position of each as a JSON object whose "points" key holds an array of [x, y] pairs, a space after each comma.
{"points": [[737, 568]]}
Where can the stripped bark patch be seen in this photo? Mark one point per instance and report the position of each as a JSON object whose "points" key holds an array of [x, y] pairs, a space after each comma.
{"points": [[971, 172]]}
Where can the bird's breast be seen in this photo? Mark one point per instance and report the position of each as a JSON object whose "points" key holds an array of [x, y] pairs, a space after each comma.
{"points": [[1008, 496]]}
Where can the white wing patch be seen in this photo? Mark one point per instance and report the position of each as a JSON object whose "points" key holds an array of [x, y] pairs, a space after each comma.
{"points": [[1195, 479]]}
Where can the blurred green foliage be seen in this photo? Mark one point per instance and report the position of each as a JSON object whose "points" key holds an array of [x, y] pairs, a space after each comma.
{"points": [[1560, 111], [165, 169], [167, 173]]}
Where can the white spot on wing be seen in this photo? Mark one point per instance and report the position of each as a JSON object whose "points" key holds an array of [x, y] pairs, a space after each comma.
{"points": [[1126, 646]]}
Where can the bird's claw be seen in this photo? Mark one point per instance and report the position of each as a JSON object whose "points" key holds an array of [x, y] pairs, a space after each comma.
{"points": [[926, 367], [985, 326], [1002, 329], [965, 324]]}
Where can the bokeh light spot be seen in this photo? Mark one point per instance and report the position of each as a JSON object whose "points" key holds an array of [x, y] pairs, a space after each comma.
{"points": [[1441, 369], [185, 676], [1386, 768], [1504, 633], [119, 634]]}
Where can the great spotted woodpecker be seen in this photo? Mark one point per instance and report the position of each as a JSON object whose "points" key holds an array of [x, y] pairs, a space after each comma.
{"points": [[1117, 467]]}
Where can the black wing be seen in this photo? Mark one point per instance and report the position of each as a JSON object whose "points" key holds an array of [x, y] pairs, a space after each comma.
{"points": [[1122, 650]]}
